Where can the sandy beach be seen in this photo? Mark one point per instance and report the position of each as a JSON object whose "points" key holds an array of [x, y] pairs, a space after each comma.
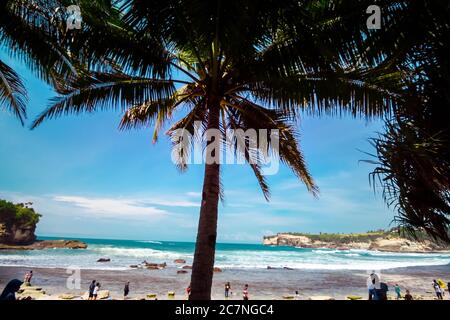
{"points": [[264, 284]]}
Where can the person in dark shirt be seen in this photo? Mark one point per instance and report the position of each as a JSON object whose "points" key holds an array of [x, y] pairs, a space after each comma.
{"points": [[245, 292], [9, 293], [91, 290], [126, 290], [227, 289], [408, 295]]}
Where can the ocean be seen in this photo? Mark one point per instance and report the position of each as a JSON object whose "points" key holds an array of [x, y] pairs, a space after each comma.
{"points": [[124, 253]]}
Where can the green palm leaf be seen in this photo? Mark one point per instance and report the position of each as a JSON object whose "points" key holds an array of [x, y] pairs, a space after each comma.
{"points": [[101, 91], [13, 95]]}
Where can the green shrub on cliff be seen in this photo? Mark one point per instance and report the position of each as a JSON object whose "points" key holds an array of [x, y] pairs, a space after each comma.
{"points": [[19, 213], [344, 238]]}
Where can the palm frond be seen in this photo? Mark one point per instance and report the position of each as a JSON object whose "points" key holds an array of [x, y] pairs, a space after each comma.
{"points": [[106, 91], [248, 115], [13, 95], [325, 94], [186, 129], [30, 33]]}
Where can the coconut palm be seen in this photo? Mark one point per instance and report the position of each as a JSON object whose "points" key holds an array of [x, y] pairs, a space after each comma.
{"points": [[30, 31], [414, 153], [223, 64]]}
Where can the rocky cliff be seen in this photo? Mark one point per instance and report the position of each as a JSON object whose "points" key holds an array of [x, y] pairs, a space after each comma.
{"points": [[17, 233], [17, 226], [45, 244], [381, 242], [17, 222]]}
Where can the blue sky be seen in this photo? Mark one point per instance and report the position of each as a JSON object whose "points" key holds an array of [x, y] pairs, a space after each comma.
{"points": [[90, 180]]}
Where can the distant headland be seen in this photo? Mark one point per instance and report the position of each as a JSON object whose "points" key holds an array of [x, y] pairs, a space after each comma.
{"points": [[390, 241], [17, 229]]}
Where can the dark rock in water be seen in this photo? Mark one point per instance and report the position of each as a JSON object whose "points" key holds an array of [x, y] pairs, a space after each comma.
{"points": [[134, 266], [154, 266], [186, 267], [46, 244], [181, 271], [104, 260], [217, 269], [287, 268], [147, 264], [179, 261], [269, 267]]}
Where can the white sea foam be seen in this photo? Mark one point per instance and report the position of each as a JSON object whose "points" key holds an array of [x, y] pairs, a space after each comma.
{"points": [[150, 241], [122, 256], [379, 265]]}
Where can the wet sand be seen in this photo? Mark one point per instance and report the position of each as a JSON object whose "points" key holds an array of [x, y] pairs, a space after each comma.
{"points": [[263, 284]]}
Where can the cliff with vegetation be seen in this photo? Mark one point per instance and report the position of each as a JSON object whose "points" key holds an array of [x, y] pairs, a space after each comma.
{"points": [[17, 223], [17, 229], [392, 241]]}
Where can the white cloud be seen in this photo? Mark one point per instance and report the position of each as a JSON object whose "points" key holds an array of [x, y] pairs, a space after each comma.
{"points": [[111, 206], [239, 237], [171, 202], [194, 194]]}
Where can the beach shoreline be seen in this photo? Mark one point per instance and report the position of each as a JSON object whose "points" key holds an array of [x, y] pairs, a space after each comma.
{"points": [[264, 284]]}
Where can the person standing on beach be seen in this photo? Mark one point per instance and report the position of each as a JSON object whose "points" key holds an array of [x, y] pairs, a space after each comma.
{"points": [[408, 295], [397, 292], [28, 277], [441, 284], [188, 291], [227, 289], [96, 290], [126, 290], [245, 292], [372, 282], [91, 290], [437, 290]]}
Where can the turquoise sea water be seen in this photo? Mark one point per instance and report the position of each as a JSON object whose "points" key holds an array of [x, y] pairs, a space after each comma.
{"points": [[124, 253]]}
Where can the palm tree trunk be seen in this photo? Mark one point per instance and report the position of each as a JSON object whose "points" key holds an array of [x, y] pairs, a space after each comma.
{"points": [[205, 247]]}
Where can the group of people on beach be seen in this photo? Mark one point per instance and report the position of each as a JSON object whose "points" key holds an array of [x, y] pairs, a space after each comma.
{"points": [[378, 290], [439, 288], [228, 292], [94, 289]]}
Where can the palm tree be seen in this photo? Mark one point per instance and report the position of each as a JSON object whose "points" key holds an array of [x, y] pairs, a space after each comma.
{"points": [[227, 64], [413, 170], [30, 31], [413, 154]]}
